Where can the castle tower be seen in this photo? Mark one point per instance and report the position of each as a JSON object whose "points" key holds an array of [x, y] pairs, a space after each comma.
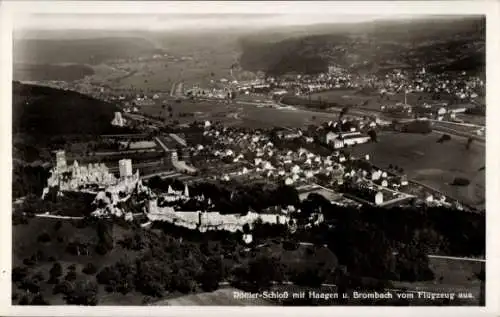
{"points": [[118, 120], [125, 167], [379, 198], [61, 160], [76, 169]]}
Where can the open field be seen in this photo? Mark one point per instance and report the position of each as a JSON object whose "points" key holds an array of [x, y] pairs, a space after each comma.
{"points": [[158, 75], [431, 163], [373, 100], [201, 110]]}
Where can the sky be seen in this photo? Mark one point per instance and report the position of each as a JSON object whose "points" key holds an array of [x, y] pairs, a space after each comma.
{"points": [[181, 21], [172, 15]]}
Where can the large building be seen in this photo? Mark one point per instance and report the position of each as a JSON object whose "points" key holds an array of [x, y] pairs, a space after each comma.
{"points": [[345, 139], [61, 160], [125, 167]]}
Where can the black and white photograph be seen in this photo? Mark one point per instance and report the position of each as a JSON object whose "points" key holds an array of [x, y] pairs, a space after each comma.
{"points": [[206, 157]]}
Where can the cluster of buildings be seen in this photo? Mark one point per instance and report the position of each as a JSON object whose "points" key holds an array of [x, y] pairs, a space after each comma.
{"points": [[462, 86], [437, 111], [255, 156], [211, 93], [374, 187], [276, 164]]}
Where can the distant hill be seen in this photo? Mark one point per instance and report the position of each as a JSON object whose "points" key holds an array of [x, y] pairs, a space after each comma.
{"points": [[45, 112], [81, 51], [39, 72], [441, 44]]}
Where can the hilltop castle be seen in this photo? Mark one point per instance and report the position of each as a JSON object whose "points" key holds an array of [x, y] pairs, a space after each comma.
{"points": [[78, 178]]}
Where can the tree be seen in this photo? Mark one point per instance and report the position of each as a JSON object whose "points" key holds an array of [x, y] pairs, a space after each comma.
{"points": [[19, 273], [263, 270], [344, 111], [70, 276], [24, 300], [213, 273], [83, 293], [460, 181], [152, 277], [58, 225], [44, 237], [373, 135], [38, 300], [444, 138], [412, 263], [30, 285], [107, 276], [64, 288], [89, 269], [182, 282], [105, 235], [469, 143]]}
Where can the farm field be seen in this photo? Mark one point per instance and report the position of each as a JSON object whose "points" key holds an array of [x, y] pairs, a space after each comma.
{"points": [[158, 75], [240, 114], [373, 100], [201, 110], [431, 163]]}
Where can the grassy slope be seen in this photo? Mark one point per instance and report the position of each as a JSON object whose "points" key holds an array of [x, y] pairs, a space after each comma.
{"points": [[24, 244]]}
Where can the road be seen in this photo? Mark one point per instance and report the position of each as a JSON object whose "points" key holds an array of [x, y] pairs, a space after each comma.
{"points": [[163, 146], [178, 139]]}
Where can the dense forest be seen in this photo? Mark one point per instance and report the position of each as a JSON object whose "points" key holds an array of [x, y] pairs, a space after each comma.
{"points": [[43, 111]]}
